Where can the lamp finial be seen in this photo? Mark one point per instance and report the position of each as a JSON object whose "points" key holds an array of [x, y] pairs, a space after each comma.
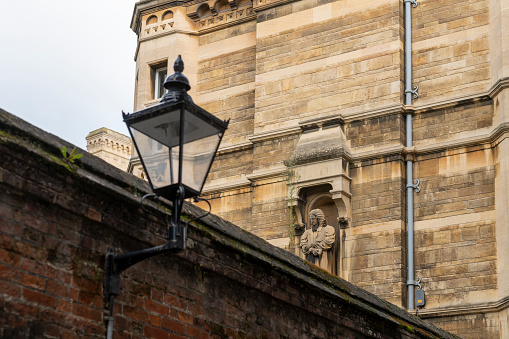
{"points": [[178, 66]]}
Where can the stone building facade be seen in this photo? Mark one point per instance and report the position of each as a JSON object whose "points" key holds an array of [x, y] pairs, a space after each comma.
{"points": [[315, 93], [113, 147]]}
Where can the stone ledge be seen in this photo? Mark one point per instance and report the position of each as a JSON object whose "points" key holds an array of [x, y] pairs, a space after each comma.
{"points": [[229, 186], [274, 134], [495, 306]]}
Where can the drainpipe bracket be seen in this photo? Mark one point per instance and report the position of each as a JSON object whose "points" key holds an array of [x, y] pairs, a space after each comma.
{"points": [[415, 283], [413, 2], [415, 91], [416, 186]]}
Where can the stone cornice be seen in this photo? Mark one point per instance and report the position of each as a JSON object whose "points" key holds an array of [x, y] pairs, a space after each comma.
{"points": [[378, 153], [261, 5], [274, 134], [267, 174], [235, 148], [492, 137], [499, 86], [444, 104], [223, 20], [379, 112], [149, 6], [229, 186], [489, 307]]}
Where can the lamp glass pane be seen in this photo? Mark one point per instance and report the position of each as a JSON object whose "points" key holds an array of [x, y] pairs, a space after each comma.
{"points": [[198, 156], [157, 139], [161, 161], [163, 128], [196, 128]]}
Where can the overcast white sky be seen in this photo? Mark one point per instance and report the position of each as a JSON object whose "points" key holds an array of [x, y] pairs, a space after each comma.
{"points": [[67, 66]]}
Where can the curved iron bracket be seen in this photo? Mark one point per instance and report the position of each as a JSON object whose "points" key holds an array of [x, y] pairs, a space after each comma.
{"points": [[416, 186], [148, 196], [196, 199], [415, 91]]}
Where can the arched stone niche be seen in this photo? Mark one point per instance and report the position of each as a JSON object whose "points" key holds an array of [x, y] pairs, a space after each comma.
{"points": [[319, 178]]}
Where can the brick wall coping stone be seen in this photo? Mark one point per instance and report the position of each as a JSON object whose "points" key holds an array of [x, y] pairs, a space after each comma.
{"points": [[25, 138]]}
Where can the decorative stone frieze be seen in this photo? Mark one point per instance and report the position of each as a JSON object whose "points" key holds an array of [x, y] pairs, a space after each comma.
{"points": [[157, 28], [212, 15]]}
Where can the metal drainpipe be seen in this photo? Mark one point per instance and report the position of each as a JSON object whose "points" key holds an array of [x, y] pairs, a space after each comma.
{"points": [[409, 165]]}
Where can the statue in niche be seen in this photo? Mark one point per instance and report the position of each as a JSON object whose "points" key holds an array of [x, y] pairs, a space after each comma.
{"points": [[318, 241]]}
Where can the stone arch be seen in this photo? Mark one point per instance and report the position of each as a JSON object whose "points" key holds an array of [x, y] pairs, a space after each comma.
{"points": [[222, 6], [204, 11], [324, 202], [167, 15], [319, 197], [152, 20], [323, 196]]}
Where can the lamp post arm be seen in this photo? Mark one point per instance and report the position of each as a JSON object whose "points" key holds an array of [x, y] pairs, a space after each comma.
{"points": [[116, 264], [176, 242]]}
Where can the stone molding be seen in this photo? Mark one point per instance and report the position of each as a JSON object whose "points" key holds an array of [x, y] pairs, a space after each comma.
{"points": [[274, 134], [247, 181], [489, 307], [492, 138], [235, 148], [379, 112], [378, 153], [261, 5], [151, 31], [498, 87], [222, 20], [267, 174], [229, 186]]}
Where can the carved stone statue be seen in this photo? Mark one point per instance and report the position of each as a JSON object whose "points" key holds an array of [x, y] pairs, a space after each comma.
{"points": [[317, 242]]}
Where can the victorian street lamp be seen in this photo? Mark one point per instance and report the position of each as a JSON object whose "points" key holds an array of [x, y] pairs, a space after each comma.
{"points": [[176, 141]]}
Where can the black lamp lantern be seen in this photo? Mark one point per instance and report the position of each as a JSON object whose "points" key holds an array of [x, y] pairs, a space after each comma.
{"points": [[176, 141]]}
